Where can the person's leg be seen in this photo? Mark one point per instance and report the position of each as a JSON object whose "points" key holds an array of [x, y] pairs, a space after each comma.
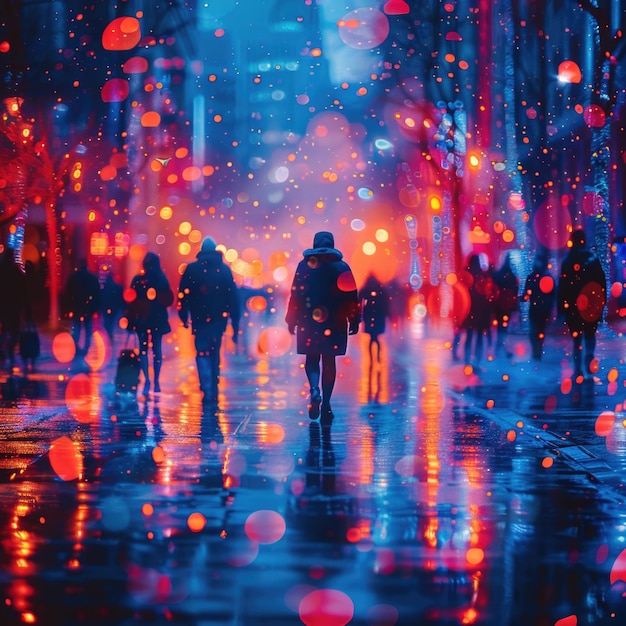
{"points": [[480, 339], [329, 374], [535, 335], [157, 352], [590, 348], [143, 360], [75, 333], [469, 338], [88, 324], [577, 355], [456, 340], [312, 370], [375, 341], [502, 331], [11, 344], [205, 362], [214, 355]]}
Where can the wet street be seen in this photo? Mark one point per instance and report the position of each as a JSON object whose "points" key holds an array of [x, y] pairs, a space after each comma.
{"points": [[437, 495]]}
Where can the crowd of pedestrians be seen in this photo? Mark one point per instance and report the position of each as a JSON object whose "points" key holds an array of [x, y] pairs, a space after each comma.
{"points": [[324, 308], [576, 293]]}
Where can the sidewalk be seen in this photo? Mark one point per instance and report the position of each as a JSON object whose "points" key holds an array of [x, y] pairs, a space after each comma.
{"points": [[581, 422]]}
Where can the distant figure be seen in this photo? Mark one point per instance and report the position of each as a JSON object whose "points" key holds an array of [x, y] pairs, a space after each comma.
{"points": [[82, 304], [15, 306], [375, 306], [581, 298], [505, 302], [148, 317], [323, 308], [540, 293], [478, 320], [208, 295], [112, 304]]}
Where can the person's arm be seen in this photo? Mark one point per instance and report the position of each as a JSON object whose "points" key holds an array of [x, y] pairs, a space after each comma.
{"points": [[293, 306], [354, 307], [182, 304], [234, 307]]}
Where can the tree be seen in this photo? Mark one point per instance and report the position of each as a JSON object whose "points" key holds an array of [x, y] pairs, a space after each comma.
{"points": [[29, 175], [609, 49]]}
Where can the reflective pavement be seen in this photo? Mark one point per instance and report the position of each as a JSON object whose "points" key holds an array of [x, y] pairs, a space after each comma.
{"points": [[438, 495]]}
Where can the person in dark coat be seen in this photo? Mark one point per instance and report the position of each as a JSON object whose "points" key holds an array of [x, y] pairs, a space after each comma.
{"points": [[581, 297], [539, 292], [505, 302], [148, 316], [375, 306], [15, 306], [112, 304], [323, 309], [82, 304], [477, 323], [209, 296]]}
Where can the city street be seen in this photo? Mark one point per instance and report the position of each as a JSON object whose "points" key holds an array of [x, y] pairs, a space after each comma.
{"points": [[436, 496]]}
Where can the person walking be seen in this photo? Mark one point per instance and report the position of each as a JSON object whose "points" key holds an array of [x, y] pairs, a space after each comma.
{"points": [[581, 297], [540, 293], [148, 316], [82, 304], [323, 309], [505, 302], [15, 305], [112, 305], [478, 320], [208, 295], [374, 301]]}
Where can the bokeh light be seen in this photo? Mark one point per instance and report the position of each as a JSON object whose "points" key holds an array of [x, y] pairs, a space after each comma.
{"points": [[82, 398], [63, 347], [122, 33], [326, 607], [364, 28], [66, 458], [265, 526]]}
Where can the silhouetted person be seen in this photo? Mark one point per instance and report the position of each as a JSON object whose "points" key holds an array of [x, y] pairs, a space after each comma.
{"points": [[208, 295], [82, 304], [112, 304], [148, 316], [323, 308], [505, 302], [14, 304], [375, 306], [478, 320], [540, 293], [581, 298]]}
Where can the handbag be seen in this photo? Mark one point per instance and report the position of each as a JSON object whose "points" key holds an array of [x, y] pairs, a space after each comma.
{"points": [[128, 368]]}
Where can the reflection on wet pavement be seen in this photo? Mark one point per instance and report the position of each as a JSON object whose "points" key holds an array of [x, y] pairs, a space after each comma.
{"points": [[433, 498]]}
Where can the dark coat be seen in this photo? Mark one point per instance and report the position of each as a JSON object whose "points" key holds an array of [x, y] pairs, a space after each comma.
{"points": [[148, 312], [112, 298], [581, 293], [208, 294], [506, 291], [323, 302], [15, 305], [481, 294], [375, 301], [540, 300], [82, 294]]}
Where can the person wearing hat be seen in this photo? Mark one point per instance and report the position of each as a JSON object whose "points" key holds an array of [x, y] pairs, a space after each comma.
{"points": [[207, 295], [581, 297], [148, 316], [323, 309], [539, 292]]}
